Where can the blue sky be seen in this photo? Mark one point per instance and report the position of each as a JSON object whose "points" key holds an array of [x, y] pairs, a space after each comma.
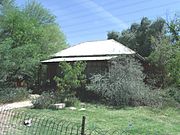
{"points": [[86, 20]]}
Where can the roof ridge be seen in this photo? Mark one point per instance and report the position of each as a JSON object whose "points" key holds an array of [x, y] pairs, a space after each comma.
{"points": [[91, 41]]}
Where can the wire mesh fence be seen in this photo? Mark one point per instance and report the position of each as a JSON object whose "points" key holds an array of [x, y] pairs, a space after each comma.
{"points": [[22, 123]]}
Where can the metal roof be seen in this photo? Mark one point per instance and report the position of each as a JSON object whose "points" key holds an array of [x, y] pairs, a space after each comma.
{"points": [[78, 59], [95, 48]]}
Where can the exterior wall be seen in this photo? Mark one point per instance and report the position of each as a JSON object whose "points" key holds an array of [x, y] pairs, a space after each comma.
{"points": [[52, 70], [95, 67], [92, 67]]}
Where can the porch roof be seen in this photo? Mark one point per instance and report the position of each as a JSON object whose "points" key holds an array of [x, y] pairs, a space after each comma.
{"points": [[69, 59]]}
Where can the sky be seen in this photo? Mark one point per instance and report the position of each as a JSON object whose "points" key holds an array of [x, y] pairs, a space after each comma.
{"points": [[89, 20]]}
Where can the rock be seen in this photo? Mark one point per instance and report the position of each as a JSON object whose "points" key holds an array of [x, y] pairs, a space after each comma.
{"points": [[83, 105], [72, 108], [82, 109], [58, 106]]}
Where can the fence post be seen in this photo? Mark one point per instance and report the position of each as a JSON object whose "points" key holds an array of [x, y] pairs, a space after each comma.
{"points": [[83, 125]]}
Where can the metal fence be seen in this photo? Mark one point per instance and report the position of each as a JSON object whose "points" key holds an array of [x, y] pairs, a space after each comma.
{"points": [[22, 123]]}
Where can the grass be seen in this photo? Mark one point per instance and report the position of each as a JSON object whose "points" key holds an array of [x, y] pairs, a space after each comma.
{"points": [[138, 120]]}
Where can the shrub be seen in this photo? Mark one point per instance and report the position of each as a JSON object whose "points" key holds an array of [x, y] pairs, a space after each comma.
{"points": [[44, 101], [123, 84], [47, 99], [171, 96], [13, 94], [72, 101]]}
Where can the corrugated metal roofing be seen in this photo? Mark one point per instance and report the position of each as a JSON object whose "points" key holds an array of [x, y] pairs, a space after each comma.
{"points": [[94, 48], [78, 59]]}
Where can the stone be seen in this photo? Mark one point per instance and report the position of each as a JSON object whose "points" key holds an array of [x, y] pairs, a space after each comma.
{"points": [[82, 109], [59, 105], [72, 108]]}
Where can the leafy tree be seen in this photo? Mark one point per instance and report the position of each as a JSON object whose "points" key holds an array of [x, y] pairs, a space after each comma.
{"points": [[167, 56], [69, 78], [123, 84], [25, 39], [138, 36], [174, 28]]}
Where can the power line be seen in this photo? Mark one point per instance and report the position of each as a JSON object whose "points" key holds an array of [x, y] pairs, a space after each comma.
{"points": [[89, 33], [112, 7], [85, 1], [79, 33], [120, 15], [108, 24]]}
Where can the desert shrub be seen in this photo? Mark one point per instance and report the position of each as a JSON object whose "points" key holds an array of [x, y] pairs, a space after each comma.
{"points": [[8, 95], [44, 101], [72, 101], [123, 84]]}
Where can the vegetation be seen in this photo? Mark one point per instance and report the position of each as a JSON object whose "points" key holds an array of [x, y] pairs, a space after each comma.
{"points": [[69, 78], [44, 101], [166, 57], [159, 42], [8, 95], [123, 84], [136, 120], [138, 36], [26, 38]]}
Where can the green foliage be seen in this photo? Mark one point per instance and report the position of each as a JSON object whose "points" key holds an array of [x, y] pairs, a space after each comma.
{"points": [[123, 85], [26, 37], [72, 101], [47, 99], [173, 92], [174, 28], [138, 36], [167, 56], [44, 101], [8, 95], [70, 77]]}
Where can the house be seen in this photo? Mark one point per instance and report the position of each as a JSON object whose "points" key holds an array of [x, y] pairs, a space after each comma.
{"points": [[95, 53]]}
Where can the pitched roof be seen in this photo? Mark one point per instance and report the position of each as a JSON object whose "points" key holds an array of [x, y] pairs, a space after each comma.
{"points": [[95, 48], [90, 51]]}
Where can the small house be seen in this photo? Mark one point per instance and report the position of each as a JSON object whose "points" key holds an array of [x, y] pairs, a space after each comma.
{"points": [[96, 54]]}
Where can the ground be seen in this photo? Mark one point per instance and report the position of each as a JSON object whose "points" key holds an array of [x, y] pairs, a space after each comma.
{"points": [[138, 120]]}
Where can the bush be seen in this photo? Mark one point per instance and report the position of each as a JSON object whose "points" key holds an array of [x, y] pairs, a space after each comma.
{"points": [[173, 92], [124, 84], [44, 101], [171, 96], [72, 101], [47, 99], [8, 95]]}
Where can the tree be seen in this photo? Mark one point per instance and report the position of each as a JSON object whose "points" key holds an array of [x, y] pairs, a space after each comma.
{"points": [[138, 36], [174, 28], [70, 77], [25, 40], [167, 56]]}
